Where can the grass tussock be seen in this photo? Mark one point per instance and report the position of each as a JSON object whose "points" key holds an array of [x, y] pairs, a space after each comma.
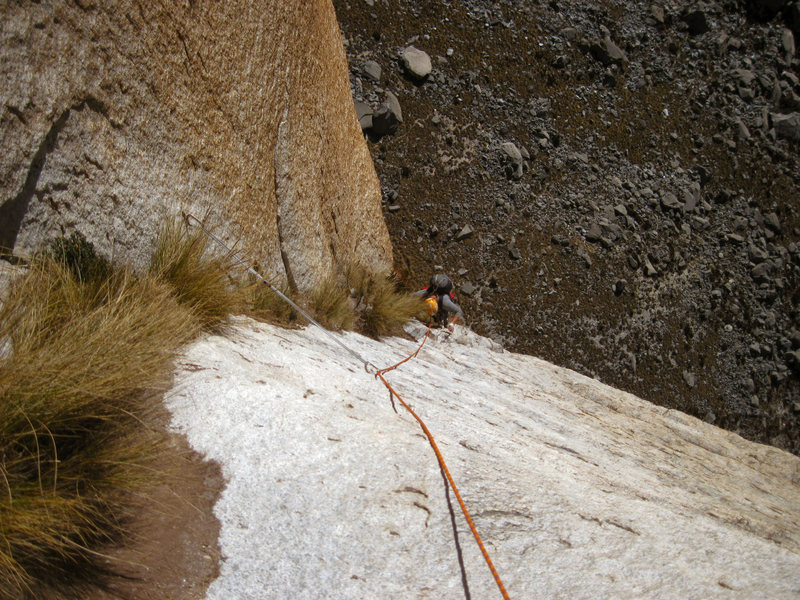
{"points": [[381, 308], [330, 305], [201, 279], [85, 349], [80, 361], [364, 301], [265, 305], [361, 300], [79, 256]]}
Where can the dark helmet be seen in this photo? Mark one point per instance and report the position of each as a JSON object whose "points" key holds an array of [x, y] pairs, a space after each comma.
{"points": [[440, 284]]}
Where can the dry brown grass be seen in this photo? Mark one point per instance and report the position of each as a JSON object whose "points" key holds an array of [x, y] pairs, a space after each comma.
{"points": [[265, 305], [330, 304], [83, 360], [364, 301], [201, 279], [80, 366], [381, 308]]}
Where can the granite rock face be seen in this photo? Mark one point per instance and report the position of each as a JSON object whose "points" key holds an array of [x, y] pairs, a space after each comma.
{"points": [[577, 489], [117, 113]]}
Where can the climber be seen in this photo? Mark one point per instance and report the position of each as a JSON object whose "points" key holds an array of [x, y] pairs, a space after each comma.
{"points": [[440, 300]]}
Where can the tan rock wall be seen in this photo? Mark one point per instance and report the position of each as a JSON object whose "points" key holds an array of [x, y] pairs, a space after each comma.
{"points": [[117, 113]]}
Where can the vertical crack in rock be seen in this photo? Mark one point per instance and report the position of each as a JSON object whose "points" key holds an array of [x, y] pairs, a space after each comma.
{"points": [[302, 240], [300, 178], [281, 171], [285, 260], [282, 195], [188, 63]]}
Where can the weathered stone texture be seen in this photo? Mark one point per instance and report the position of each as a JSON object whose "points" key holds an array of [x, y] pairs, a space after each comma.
{"points": [[578, 490], [115, 114]]}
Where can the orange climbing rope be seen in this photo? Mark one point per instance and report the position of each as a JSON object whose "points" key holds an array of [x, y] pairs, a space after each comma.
{"points": [[442, 464], [378, 373]]}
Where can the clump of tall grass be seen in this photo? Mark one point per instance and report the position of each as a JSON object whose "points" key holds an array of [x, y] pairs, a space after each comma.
{"points": [[381, 308], [79, 256], [201, 279], [84, 350], [264, 304], [81, 362], [330, 304], [360, 300]]}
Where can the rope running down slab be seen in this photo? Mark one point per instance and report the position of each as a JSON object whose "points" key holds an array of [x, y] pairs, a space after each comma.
{"points": [[379, 374], [442, 464]]}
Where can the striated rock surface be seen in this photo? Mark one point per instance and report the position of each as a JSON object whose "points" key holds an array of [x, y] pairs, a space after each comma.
{"points": [[116, 113], [578, 490]]}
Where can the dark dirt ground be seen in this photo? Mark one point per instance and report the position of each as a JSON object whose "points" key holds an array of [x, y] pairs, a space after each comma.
{"points": [[646, 240], [173, 552]]}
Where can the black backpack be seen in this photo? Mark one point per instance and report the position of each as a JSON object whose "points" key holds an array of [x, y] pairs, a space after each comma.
{"points": [[439, 285]]}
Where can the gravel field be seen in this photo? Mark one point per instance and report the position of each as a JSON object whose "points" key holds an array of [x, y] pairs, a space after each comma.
{"points": [[612, 186]]}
